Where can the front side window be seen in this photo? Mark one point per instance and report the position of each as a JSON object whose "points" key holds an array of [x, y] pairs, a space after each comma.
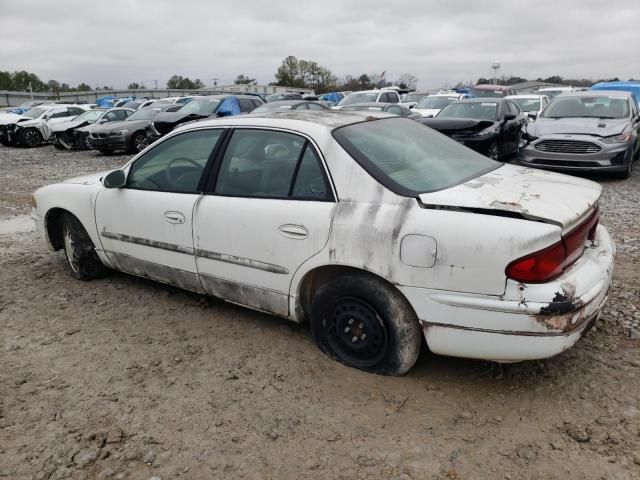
{"points": [[176, 164], [269, 164], [410, 158]]}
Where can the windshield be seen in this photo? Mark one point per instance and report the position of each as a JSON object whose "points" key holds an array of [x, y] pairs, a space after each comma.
{"points": [[90, 116], [434, 103], [29, 104], [273, 107], [551, 93], [410, 158], [603, 106], [359, 98], [486, 93], [413, 97], [146, 113], [35, 112], [200, 107], [475, 110], [527, 104]]}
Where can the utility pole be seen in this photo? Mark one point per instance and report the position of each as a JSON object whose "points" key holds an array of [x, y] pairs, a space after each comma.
{"points": [[215, 82], [31, 90], [495, 66]]}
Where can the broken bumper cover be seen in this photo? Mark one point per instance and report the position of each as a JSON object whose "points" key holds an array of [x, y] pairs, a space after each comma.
{"points": [[519, 325]]}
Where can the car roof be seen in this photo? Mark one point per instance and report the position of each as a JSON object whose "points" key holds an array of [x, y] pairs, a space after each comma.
{"points": [[481, 100], [528, 95], [489, 86], [303, 120], [369, 104]]}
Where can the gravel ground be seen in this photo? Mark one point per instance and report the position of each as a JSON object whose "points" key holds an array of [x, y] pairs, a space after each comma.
{"points": [[125, 378]]}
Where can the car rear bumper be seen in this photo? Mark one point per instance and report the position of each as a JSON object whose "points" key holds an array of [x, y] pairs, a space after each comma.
{"points": [[530, 321]]}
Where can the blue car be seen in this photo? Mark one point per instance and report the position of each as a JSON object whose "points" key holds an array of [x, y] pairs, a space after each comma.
{"points": [[632, 86]]}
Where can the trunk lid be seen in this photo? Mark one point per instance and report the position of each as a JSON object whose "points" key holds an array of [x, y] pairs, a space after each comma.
{"points": [[533, 194]]}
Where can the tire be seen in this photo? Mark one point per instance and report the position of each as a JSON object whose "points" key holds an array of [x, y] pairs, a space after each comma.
{"points": [[82, 258], [138, 142], [83, 142], [493, 152], [30, 138], [626, 173], [363, 322]]}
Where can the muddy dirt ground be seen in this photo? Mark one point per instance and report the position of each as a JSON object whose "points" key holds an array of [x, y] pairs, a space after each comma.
{"points": [[125, 378]]}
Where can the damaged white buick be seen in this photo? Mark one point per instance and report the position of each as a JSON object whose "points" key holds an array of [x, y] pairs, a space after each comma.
{"points": [[376, 230]]}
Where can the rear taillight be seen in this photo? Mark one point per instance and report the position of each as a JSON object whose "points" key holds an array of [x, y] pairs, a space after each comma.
{"points": [[550, 262]]}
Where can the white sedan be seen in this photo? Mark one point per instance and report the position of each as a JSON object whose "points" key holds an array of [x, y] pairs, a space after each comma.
{"points": [[376, 230]]}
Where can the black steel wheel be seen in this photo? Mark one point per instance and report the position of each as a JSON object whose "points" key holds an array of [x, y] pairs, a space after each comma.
{"points": [[79, 250], [493, 152], [357, 333], [364, 322], [30, 138]]}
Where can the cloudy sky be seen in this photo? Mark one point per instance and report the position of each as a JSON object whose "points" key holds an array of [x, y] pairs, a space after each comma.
{"points": [[116, 42]]}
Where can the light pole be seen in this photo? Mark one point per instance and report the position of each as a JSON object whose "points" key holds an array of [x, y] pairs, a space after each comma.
{"points": [[495, 66]]}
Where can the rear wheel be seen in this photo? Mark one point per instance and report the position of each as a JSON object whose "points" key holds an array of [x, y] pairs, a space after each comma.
{"points": [[365, 323], [79, 250], [30, 138]]}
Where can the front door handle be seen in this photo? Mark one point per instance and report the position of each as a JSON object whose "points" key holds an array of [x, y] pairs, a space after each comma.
{"points": [[296, 232], [174, 217]]}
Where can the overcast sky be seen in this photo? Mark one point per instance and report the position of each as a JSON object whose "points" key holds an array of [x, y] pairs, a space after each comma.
{"points": [[116, 42]]}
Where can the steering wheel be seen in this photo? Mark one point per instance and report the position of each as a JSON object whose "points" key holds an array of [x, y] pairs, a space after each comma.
{"points": [[171, 180]]}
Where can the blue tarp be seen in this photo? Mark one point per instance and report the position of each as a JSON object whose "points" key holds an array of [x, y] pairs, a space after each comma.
{"points": [[106, 102], [229, 107], [331, 97], [633, 87]]}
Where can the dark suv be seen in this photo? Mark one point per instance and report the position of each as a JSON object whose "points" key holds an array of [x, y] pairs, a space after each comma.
{"points": [[200, 108]]}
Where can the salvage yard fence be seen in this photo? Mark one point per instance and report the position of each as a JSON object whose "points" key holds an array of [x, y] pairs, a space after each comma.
{"points": [[13, 99]]}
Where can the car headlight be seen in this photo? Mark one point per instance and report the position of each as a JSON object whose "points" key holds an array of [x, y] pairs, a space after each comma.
{"points": [[118, 133], [622, 138]]}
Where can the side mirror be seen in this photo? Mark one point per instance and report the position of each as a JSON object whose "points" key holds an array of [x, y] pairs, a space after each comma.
{"points": [[115, 179], [532, 115], [103, 120], [509, 116]]}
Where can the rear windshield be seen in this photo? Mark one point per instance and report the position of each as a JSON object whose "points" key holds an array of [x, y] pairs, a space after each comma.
{"points": [[410, 158]]}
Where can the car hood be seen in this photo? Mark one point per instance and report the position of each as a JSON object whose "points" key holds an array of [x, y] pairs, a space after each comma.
{"points": [[32, 122], [88, 179], [124, 124], [9, 118], [587, 126], [62, 126], [533, 194], [446, 125]]}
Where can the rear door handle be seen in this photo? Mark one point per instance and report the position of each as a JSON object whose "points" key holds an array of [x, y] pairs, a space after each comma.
{"points": [[296, 232], [174, 217]]}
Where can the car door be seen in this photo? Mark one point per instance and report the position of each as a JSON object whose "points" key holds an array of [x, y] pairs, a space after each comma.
{"points": [[145, 227], [267, 210], [511, 128], [635, 123]]}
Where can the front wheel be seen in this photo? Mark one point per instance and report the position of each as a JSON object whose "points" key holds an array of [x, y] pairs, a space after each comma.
{"points": [[30, 138], [139, 142], [80, 251], [626, 173], [493, 152], [365, 323]]}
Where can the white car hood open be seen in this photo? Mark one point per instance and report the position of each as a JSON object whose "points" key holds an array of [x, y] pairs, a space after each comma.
{"points": [[534, 194]]}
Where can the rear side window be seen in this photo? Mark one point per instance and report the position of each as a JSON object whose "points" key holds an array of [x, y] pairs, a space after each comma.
{"points": [[246, 104], [410, 158], [270, 164]]}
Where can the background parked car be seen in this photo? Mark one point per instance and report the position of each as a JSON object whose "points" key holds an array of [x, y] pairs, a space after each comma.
{"points": [[588, 131], [202, 107], [492, 91], [410, 99], [129, 135], [630, 86], [532, 105], [431, 105], [25, 107], [491, 126], [367, 96], [392, 108], [74, 134], [34, 127], [283, 96], [551, 92], [172, 100], [287, 105]]}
